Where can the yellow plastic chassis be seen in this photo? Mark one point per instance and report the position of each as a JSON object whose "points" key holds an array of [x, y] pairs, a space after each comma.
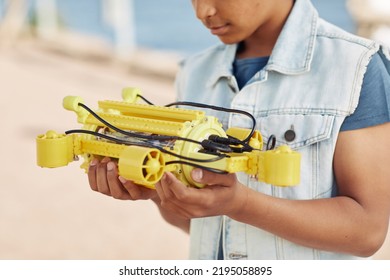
{"points": [[144, 165]]}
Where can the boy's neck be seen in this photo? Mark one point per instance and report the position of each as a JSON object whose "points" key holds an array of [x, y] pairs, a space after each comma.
{"points": [[253, 50]]}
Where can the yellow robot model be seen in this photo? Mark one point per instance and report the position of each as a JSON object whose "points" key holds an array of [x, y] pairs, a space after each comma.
{"points": [[148, 140]]}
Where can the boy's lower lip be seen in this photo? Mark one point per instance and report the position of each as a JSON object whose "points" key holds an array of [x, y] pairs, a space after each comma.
{"points": [[220, 30]]}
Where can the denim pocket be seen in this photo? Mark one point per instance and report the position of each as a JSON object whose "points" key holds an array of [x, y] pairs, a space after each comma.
{"points": [[296, 130]]}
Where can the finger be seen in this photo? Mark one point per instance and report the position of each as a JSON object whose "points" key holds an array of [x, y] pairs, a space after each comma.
{"points": [[160, 189], [92, 174], [131, 188], [167, 184], [171, 206], [137, 192], [175, 196], [211, 178], [117, 190], [101, 176]]}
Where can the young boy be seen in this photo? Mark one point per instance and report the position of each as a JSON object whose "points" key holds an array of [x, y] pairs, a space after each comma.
{"points": [[294, 72]]}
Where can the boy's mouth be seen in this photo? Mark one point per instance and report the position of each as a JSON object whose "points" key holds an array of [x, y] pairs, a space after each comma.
{"points": [[219, 29]]}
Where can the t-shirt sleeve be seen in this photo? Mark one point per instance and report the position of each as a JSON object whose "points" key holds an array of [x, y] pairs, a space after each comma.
{"points": [[373, 107]]}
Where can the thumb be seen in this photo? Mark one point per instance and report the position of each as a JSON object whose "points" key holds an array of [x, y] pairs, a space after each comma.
{"points": [[211, 178], [197, 175]]}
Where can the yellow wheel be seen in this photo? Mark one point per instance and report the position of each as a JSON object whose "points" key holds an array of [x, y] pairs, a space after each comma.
{"points": [[54, 150], [200, 131], [144, 166], [282, 167]]}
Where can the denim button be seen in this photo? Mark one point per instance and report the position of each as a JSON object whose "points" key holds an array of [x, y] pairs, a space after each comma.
{"points": [[289, 135]]}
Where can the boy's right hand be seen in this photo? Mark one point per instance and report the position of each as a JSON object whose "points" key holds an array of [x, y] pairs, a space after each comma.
{"points": [[103, 177]]}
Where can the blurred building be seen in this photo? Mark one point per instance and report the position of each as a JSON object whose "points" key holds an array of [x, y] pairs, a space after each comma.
{"points": [[128, 24], [91, 24]]}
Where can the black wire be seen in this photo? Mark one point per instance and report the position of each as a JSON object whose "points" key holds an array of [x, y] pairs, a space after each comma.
{"points": [[114, 139], [144, 99], [217, 108], [271, 142], [97, 134], [201, 105], [160, 137], [194, 104], [223, 109], [136, 135], [214, 170], [219, 157], [147, 145]]}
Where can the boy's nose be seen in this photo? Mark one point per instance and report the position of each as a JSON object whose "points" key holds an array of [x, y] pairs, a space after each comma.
{"points": [[204, 8]]}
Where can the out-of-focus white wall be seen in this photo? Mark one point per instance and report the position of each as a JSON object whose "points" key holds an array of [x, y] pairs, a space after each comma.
{"points": [[372, 18]]}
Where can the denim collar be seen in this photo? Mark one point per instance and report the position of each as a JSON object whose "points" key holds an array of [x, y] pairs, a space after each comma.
{"points": [[293, 50]]}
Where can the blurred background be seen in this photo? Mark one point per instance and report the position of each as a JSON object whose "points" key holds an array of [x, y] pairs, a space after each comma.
{"points": [[94, 48]]}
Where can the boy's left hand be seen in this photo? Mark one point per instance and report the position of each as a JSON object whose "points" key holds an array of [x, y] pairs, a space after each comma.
{"points": [[222, 195]]}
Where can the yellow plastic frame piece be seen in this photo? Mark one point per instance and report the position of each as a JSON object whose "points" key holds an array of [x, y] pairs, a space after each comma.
{"points": [[146, 165]]}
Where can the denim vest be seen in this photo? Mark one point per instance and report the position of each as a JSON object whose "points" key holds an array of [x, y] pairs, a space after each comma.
{"points": [[311, 83]]}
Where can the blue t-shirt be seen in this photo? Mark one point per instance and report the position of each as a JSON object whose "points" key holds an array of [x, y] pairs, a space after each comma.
{"points": [[374, 103]]}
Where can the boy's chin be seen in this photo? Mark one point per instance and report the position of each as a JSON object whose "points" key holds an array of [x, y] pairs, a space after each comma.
{"points": [[228, 41]]}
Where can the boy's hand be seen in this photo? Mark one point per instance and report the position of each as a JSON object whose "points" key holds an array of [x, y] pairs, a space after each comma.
{"points": [[222, 195], [103, 177]]}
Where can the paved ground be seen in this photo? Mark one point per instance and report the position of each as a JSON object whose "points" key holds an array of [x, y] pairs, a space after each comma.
{"points": [[51, 213]]}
